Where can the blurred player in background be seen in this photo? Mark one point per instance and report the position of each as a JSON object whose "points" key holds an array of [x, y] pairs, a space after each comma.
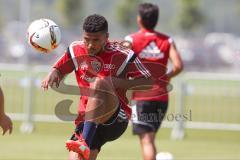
{"points": [[5, 121], [100, 67], [154, 47]]}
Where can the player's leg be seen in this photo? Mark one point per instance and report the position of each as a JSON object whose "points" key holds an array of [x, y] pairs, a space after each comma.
{"points": [[147, 141], [109, 131], [103, 102], [148, 116], [76, 137], [93, 154], [101, 105]]}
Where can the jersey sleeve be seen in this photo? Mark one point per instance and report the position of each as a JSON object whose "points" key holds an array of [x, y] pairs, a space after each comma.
{"points": [[129, 56], [130, 63], [65, 64], [141, 68], [136, 69]]}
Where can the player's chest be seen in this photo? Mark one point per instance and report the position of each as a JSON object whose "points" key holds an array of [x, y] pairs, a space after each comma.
{"points": [[91, 67]]}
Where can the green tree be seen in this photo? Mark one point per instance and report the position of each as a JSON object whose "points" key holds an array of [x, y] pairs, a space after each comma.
{"points": [[127, 12], [190, 17], [72, 10]]}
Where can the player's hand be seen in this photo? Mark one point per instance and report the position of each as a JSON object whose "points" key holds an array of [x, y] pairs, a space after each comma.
{"points": [[167, 77], [126, 44], [54, 77], [6, 124]]}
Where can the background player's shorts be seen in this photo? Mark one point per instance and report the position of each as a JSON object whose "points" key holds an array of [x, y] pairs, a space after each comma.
{"points": [[147, 116], [109, 131]]}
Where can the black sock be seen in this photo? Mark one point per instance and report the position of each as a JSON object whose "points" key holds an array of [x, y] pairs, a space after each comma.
{"points": [[89, 130]]}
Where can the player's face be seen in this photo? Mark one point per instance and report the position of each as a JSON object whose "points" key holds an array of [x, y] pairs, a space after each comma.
{"points": [[95, 42]]}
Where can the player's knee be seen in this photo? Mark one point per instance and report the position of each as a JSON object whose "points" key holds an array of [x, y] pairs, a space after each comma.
{"points": [[99, 83], [147, 138], [102, 84]]}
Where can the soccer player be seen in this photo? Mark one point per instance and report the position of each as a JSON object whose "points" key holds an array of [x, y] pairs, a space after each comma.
{"points": [[5, 121], [101, 68], [151, 46]]}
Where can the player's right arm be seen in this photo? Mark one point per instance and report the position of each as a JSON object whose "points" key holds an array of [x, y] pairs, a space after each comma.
{"points": [[5, 121], [62, 67]]}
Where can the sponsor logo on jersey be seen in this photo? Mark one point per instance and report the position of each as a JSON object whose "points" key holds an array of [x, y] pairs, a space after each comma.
{"points": [[151, 51], [109, 66]]}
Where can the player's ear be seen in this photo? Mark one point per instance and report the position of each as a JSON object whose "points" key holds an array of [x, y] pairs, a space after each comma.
{"points": [[139, 21]]}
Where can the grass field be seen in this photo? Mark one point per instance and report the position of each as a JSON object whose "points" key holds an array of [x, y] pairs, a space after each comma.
{"points": [[47, 143]]}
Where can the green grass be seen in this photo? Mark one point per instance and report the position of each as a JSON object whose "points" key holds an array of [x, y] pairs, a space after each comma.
{"points": [[47, 143]]}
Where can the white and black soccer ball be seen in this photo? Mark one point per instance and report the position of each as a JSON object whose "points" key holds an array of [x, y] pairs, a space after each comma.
{"points": [[44, 35]]}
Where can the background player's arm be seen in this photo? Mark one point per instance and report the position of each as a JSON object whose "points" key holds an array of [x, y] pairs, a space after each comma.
{"points": [[176, 61], [5, 121], [62, 67]]}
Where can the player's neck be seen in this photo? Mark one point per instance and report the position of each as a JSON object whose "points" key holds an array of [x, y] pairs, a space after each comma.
{"points": [[146, 30], [101, 51]]}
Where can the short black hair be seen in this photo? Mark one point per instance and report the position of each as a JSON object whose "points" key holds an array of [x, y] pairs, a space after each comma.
{"points": [[148, 13], [95, 23]]}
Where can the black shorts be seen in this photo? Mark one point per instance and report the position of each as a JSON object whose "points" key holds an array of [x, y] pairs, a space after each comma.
{"points": [[148, 115], [109, 131]]}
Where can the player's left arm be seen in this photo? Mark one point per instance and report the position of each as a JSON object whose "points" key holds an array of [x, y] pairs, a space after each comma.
{"points": [[176, 61], [132, 65], [143, 80]]}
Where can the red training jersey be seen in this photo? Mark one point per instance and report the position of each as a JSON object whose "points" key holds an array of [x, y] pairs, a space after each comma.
{"points": [[112, 61], [152, 47]]}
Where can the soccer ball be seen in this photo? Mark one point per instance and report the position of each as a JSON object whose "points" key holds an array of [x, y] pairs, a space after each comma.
{"points": [[164, 156], [44, 35]]}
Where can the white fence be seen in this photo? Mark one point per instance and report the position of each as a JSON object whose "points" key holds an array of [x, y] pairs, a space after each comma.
{"points": [[213, 100], [198, 100]]}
